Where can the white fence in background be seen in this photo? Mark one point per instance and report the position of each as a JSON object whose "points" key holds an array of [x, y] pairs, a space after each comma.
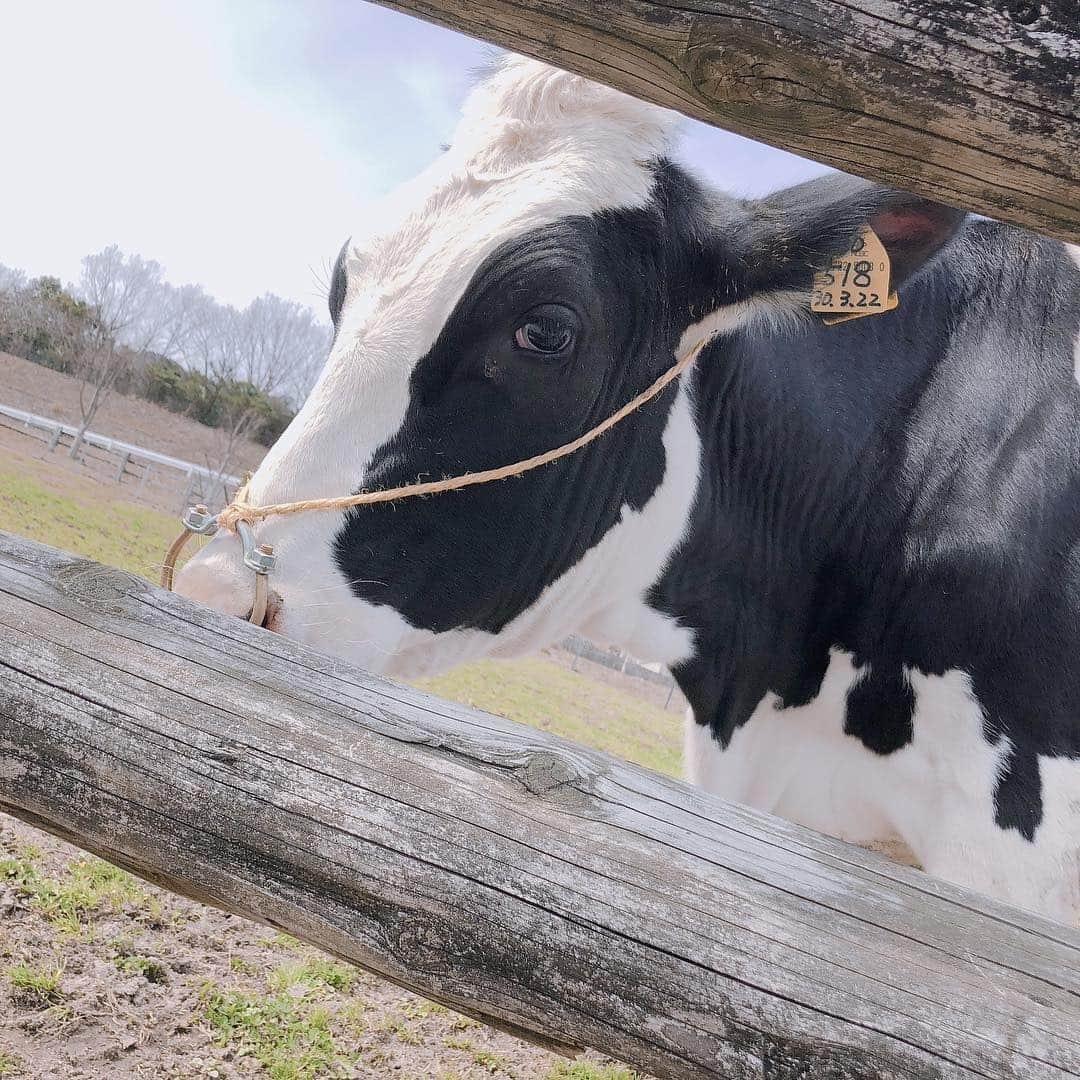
{"points": [[617, 660], [195, 481]]}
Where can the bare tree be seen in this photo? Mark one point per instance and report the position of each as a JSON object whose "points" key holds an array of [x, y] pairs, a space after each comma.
{"points": [[11, 280], [210, 348], [271, 350], [256, 365], [126, 293], [14, 302], [180, 306], [281, 346], [206, 346], [240, 417]]}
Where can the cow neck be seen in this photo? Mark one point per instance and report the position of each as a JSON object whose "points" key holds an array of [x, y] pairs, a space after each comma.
{"points": [[802, 441]]}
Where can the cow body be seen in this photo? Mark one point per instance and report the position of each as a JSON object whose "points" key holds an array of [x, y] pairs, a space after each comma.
{"points": [[857, 547], [886, 631]]}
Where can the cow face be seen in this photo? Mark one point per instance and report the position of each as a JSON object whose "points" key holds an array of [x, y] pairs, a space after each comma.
{"points": [[505, 301], [543, 272]]}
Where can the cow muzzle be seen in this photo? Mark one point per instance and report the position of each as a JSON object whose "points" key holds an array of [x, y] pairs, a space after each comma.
{"points": [[214, 578]]}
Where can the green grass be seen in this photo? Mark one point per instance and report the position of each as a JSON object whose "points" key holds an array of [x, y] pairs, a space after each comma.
{"points": [[536, 692], [10, 1063], [91, 887], [582, 1070], [18, 873], [287, 941], [111, 531], [36, 987], [153, 971], [290, 1038], [495, 1064], [71, 903], [313, 972]]}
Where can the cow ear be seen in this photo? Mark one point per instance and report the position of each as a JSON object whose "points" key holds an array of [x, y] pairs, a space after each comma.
{"points": [[794, 233]]}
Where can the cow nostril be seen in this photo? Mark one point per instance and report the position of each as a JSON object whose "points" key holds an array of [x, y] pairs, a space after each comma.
{"points": [[274, 605]]}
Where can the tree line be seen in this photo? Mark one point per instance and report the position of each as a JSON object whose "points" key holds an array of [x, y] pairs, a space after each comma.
{"points": [[122, 327]]}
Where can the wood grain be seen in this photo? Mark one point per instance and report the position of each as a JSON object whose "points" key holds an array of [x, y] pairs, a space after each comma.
{"points": [[515, 876], [970, 102]]}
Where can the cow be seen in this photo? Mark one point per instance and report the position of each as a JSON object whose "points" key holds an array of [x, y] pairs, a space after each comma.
{"points": [[856, 545]]}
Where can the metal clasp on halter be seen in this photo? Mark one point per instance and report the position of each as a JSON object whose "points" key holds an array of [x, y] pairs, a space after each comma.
{"points": [[259, 558], [198, 519]]}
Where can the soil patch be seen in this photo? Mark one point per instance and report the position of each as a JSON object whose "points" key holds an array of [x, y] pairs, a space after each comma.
{"points": [[40, 390]]}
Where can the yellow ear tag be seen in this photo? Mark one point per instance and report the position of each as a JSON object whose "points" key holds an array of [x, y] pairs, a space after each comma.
{"points": [[855, 283]]}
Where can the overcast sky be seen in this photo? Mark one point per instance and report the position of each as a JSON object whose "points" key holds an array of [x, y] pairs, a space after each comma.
{"points": [[237, 142]]}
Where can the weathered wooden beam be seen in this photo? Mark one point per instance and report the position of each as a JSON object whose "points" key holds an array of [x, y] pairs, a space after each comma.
{"points": [[506, 872], [972, 103]]}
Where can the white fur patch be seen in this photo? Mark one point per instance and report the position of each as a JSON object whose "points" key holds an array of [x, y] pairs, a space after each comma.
{"points": [[935, 794], [797, 762]]}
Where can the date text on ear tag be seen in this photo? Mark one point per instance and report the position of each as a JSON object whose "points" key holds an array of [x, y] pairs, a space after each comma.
{"points": [[856, 283]]}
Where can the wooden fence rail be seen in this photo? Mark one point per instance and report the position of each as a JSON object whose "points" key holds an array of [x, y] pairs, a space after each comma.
{"points": [[972, 103], [513, 875]]}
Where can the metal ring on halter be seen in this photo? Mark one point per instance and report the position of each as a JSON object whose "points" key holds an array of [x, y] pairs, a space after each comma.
{"points": [[195, 519], [259, 558]]}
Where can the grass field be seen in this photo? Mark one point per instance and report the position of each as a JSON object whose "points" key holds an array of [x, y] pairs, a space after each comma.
{"points": [[119, 533], [102, 976]]}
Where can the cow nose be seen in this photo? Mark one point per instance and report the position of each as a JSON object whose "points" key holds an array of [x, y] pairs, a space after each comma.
{"points": [[218, 579], [215, 580]]}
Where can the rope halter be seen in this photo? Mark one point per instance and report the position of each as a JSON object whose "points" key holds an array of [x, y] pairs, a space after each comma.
{"points": [[239, 516]]}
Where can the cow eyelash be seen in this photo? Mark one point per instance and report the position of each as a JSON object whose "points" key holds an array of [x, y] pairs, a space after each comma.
{"points": [[548, 331]]}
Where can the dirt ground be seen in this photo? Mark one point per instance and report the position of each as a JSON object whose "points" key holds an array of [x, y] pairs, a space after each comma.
{"points": [[34, 388], [104, 977]]}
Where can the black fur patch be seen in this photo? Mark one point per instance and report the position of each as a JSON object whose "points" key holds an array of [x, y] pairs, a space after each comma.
{"points": [[479, 557], [1018, 802], [905, 488], [879, 711]]}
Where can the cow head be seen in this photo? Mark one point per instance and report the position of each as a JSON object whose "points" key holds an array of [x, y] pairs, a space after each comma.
{"points": [[548, 267]]}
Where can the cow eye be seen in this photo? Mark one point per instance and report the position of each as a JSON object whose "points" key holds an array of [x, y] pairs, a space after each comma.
{"points": [[547, 330]]}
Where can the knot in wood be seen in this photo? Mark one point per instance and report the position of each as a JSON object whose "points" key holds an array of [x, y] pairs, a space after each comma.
{"points": [[103, 587], [546, 770], [773, 81], [224, 751], [1024, 12], [423, 946]]}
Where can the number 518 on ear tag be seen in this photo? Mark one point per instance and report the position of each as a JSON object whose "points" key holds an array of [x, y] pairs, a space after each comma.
{"points": [[855, 283]]}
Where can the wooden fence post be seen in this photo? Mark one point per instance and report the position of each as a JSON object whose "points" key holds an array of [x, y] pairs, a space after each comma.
{"points": [[555, 891], [973, 104], [148, 468], [124, 459]]}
